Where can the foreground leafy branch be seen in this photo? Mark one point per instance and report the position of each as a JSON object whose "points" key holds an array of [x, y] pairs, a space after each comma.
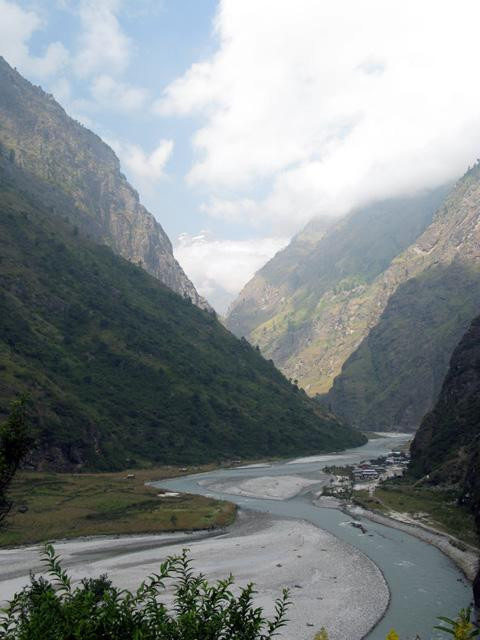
{"points": [[462, 628], [54, 610]]}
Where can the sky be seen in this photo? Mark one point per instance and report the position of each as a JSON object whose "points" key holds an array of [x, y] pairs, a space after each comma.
{"points": [[240, 120]]}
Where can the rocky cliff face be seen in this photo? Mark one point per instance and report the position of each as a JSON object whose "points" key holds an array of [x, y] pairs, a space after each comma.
{"points": [[370, 316], [44, 141], [313, 303]]}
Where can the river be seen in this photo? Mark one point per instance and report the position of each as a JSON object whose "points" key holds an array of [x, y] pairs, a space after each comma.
{"points": [[423, 582]]}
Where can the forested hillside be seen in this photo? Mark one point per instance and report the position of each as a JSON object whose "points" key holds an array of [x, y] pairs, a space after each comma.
{"points": [[448, 440], [120, 369]]}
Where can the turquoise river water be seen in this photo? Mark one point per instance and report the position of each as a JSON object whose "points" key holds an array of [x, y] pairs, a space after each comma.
{"points": [[423, 582]]}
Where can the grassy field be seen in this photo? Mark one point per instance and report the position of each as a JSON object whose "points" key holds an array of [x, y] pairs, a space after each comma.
{"points": [[435, 508], [51, 506]]}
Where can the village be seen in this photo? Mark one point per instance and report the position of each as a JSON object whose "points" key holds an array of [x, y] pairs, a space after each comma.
{"points": [[366, 475]]}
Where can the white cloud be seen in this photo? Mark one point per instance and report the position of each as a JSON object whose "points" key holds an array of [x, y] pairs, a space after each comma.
{"points": [[330, 104], [242, 209], [102, 54], [220, 268], [16, 28], [145, 168], [110, 93], [102, 44]]}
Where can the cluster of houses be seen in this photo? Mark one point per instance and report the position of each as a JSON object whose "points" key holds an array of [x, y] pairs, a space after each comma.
{"points": [[366, 471]]}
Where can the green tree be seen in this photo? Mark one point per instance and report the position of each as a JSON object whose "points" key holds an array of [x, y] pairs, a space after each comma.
{"points": [[15, 442]]}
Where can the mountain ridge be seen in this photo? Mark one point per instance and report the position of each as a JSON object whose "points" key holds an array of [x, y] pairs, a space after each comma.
{"points": [[42, 139], [424, 303], [319, 320]]}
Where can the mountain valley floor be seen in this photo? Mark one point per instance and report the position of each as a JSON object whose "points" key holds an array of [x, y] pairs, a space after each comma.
{"points": [[53, 506], [273, 553]]}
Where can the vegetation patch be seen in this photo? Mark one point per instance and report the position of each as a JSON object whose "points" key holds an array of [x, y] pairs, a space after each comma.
{"points": [[53, 608], [52, 506], [433, 507]]}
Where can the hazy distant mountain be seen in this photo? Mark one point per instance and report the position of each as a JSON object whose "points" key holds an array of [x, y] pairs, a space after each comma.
{"points": [[303, 308], [120, 369], [85, 172], [266, 292]]}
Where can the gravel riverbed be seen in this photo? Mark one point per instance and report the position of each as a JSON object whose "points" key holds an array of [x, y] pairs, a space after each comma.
{"points": [[331, 583]]}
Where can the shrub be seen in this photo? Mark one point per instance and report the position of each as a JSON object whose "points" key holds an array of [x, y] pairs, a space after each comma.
{"points": [[55, 610], [462, 628]]}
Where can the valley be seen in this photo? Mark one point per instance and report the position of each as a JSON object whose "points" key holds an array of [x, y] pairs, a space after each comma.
{"points": [[293, 542], [122, 370], [321, 439]]}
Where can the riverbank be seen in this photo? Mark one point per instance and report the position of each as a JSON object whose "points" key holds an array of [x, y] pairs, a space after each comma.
{"points": [[272, 552], [463, 555], [436, 508], [414, 570], [52, 506]]}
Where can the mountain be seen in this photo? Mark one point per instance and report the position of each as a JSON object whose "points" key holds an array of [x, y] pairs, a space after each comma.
{"points": [[447, 444], [83, 179], [449, 436], [418, 309], [263, 296], [121, 370], [312, 304]]}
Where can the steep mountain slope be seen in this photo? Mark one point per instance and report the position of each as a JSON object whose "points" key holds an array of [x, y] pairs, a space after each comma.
{"points": [[447, 444], [122, 370], [419, 308], [450, 434], [85, 176], [302, 309], [263, 296]]}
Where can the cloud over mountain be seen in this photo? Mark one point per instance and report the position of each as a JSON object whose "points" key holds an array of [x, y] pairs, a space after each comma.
{"points": [[219, 268], [314, 108]]}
